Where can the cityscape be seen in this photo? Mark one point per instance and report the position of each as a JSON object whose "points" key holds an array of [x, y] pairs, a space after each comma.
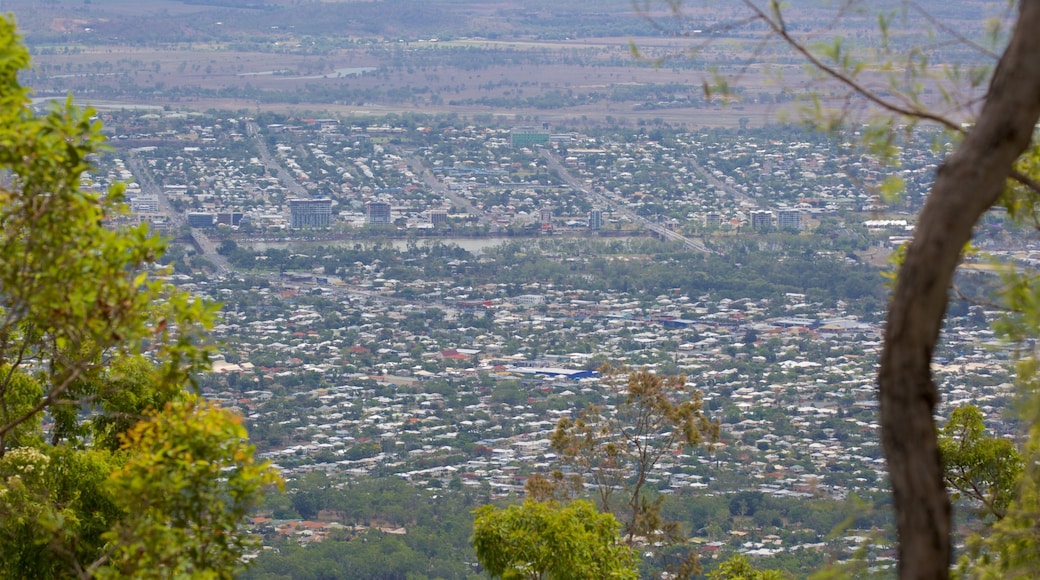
{"points": [[448, 289], [425, 301]]}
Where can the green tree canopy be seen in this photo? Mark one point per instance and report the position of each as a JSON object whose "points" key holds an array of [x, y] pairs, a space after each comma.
{"points": [[546, 540], [132, 475], [739, 568], [617, 450], [979, 467], [995, 131]]}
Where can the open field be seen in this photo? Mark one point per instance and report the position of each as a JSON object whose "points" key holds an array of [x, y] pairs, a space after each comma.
{"points": [[365, 58]]}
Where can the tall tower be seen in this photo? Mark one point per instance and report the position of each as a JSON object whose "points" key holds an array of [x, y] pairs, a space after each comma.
{"points": [[378, 212], [596, 219], [310, 213]]}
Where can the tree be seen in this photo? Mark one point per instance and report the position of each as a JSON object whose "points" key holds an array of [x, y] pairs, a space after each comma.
{"points": [[617, 449], [738, 568], [1008, 549], [981, 468], [546, 540], [969, 182], [972, 179], [94, 345], [190, 481]]}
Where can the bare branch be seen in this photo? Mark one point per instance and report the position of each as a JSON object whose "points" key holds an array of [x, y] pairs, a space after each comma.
{"points": [[778, 28], [1026, 181], [960, 38]]}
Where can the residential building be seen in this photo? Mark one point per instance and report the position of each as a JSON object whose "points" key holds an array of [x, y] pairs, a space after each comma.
{"points": [[596, 219], [761, 218], [378, 212], [789, 218], [310, 213]]}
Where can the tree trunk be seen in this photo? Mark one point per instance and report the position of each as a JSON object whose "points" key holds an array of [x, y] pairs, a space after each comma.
{"points": [[967, 184]]}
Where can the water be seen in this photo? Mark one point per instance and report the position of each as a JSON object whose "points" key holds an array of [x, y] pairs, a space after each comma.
{"points": [[337, 73], [471, 245]]}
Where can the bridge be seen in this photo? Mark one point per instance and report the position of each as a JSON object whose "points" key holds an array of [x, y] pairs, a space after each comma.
{"points": [[673, 236]]}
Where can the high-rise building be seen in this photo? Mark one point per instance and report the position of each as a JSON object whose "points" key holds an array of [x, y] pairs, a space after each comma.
{"points": [[761, 218], [438, 217], [596, 219], [378, 212], [230, 218], [789, 218], [310, 213], [713, 219]]}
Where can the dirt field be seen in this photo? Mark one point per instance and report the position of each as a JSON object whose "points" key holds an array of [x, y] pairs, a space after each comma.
{"points": [[188, 77], [203, 57]]}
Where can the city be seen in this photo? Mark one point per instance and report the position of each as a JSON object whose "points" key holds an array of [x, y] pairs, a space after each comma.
{"points": [[362, 340]]}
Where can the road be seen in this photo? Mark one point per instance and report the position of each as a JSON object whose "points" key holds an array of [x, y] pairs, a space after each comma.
{"points": [[177, 219], [738, 195], [148, 186], [619, 207], [273, 166], [209, 251], [438, 187]]}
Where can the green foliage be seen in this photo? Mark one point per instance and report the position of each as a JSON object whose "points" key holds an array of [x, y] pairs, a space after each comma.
{"points": [[1019, 199], [739, 568], [1009, 549], [437, 543], [93, 344], [76, 293], [982, 468], [652, 415], [189, 483], [548, 540], [892, 188], [53, 498], [21, 395]]}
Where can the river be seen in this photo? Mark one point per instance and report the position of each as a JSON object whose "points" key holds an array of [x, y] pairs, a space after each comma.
{"points": [[471, 245]]}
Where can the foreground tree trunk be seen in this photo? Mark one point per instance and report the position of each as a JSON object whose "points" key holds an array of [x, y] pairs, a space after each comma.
{"points": [[968, 183]]}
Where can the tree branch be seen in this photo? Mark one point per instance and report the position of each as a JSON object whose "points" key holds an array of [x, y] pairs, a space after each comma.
{"points": [[968, 183], [777, 26], [1025, 181], [960, 38]]}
